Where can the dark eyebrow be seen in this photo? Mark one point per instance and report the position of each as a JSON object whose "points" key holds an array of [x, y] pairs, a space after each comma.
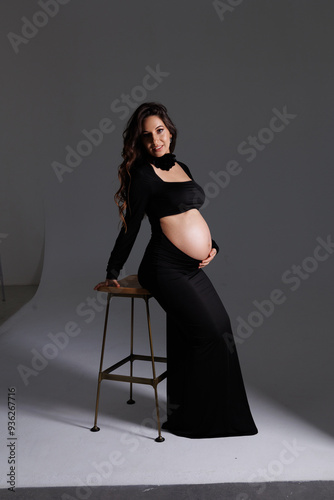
{"points": [[146, 132]]}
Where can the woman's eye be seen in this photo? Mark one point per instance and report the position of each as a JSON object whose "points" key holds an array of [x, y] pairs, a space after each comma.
{"points": [[160, 130]]}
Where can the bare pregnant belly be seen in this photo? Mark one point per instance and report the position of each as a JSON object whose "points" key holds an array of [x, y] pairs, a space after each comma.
{"points": [[189, 232]]}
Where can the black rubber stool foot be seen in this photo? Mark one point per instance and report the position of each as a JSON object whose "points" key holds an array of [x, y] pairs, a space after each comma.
{"points": [[159, 439], [95, 429], [131, 402]]}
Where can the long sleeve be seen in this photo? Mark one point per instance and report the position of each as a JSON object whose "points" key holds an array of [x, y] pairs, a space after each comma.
{"points": [[138, 199]]}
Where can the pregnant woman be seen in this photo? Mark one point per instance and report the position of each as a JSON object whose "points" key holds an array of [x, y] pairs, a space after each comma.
{"points": [[205, 392]]}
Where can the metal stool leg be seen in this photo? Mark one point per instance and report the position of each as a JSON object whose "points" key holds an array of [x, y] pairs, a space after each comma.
{"points": [[131, 401], [130, 288], [159, 439], [95, 428]]}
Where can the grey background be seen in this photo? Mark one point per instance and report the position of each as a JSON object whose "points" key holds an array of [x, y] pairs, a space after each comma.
{"points": [[225, 78]]}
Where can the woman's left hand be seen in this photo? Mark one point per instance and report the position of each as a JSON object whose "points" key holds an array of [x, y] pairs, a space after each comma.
{"points": [[206, 261]]}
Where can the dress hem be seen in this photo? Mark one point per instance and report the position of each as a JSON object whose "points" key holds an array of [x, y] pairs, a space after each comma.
{"points": [[191, 435]]}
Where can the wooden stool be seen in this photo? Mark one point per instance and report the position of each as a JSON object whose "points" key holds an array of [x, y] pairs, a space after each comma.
{"points": [[130, 288]]}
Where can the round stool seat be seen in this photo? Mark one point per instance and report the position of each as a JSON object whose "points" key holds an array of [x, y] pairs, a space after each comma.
{"points": [[129, 287]]}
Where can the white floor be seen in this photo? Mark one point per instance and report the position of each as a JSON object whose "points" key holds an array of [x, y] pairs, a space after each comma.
{"points": [[288, 375]]}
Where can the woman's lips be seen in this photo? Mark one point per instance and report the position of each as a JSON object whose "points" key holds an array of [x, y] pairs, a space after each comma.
{"points": [[157, 149]]}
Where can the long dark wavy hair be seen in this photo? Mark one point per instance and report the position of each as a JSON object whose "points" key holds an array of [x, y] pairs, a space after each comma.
{"points": [[133, 148]]}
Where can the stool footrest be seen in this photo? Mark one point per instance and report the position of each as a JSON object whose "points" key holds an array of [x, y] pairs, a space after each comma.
{"points": [[142, 357], [106, 374], [134, 357], [135, 380]]}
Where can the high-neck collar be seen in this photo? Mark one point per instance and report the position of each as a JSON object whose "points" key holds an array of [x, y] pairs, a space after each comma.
{"points": [[165, 162]]}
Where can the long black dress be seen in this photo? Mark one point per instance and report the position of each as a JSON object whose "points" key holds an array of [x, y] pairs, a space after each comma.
{"points": [[205, 391]]}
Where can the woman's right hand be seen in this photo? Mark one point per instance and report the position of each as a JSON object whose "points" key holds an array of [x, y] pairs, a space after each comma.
{"points": [[107, 283]]}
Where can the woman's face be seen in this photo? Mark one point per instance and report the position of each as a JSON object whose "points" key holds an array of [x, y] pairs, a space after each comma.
{"points": [[156, 136]]}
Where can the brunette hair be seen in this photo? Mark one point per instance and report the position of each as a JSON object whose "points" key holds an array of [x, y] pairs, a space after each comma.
{"points": [[133, 148]]}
